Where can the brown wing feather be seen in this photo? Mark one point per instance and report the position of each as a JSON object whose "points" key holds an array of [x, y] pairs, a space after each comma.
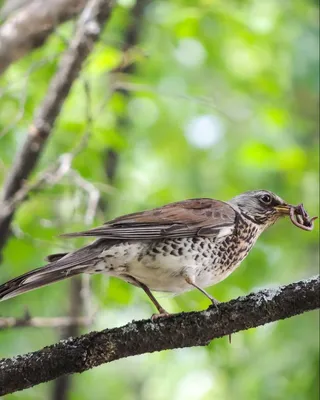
{"points": [[202, 217]]}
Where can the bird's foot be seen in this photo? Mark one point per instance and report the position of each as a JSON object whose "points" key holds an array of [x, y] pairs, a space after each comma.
{"points": [[214, 302], [162, 314]]}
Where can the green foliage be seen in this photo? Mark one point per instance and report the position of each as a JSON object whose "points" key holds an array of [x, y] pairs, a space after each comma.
{"points": [[224, 98]]}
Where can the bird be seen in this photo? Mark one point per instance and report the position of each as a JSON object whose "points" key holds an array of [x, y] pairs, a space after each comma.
{"points": [[190, 244]]}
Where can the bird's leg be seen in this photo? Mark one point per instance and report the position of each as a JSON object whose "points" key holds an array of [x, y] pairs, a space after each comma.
{"points": [[214, 301], [191, 282], [162, 311]]}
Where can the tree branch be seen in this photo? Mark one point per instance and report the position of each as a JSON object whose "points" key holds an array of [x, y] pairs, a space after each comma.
{"points": [[30, 26], [181, 330], [89, 27]]}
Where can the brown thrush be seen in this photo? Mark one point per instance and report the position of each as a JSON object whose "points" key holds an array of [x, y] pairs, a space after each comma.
{"points": [[189, 244]]}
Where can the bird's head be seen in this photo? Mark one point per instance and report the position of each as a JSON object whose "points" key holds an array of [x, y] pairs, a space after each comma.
{"points": [[262, 207]]}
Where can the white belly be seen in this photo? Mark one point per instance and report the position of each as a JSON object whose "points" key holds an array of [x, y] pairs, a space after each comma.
{"points": [[164, 274], [161, 271]]}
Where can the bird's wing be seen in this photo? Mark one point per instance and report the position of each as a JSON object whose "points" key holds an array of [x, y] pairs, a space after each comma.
{"points": [[195, 217]]}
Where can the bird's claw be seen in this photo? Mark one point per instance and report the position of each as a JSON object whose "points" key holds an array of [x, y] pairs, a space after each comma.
{"points": [[215, 303], [162, 314]]}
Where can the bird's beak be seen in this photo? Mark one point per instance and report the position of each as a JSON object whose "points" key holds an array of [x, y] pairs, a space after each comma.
{"points": [[283, 209]]}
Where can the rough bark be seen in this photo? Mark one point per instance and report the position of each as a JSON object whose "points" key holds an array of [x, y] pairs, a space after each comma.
{"points": [[181, 330]]}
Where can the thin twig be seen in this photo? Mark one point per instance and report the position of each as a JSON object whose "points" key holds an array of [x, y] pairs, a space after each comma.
{"points": [[41, 322], [88, 30]]}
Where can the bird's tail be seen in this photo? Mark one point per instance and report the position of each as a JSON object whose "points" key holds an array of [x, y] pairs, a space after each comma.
{"points": [[33, 280], [60, 266]]}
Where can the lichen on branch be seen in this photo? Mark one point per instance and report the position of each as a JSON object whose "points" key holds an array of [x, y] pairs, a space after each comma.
{"points": [[181, 330]]}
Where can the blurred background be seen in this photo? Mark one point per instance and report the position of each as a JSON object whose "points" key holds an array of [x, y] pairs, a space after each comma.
{"points": [[179, 99]]}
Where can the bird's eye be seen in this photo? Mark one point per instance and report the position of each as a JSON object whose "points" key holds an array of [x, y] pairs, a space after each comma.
{"points": [[266, 199]]}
